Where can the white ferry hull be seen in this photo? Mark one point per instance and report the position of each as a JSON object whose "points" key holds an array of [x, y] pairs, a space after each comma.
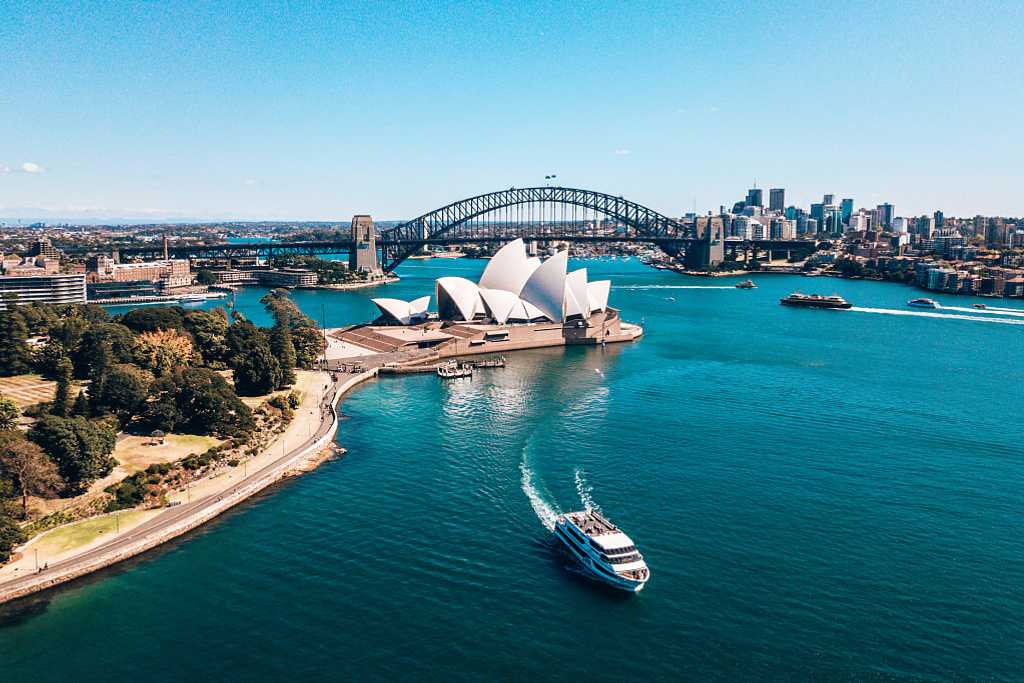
{"points": [[591, 568]]}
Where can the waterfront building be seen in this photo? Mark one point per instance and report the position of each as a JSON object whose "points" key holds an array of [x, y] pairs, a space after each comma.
{"points": [[514, 288], [46, 289], [170, 273], [267, 277], [777, 199]]}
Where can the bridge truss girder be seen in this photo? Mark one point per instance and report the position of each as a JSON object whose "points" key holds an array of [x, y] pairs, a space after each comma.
{"points": [[642, 223]]}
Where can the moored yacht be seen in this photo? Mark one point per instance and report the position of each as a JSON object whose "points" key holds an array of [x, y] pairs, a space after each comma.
{"points": [[603, 551]]}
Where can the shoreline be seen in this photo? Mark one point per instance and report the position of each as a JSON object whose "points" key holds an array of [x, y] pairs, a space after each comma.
{"points": [[171, 522]]}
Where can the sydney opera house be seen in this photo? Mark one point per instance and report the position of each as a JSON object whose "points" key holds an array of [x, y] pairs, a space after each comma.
{"points": [[519, 302], [514, 288]]}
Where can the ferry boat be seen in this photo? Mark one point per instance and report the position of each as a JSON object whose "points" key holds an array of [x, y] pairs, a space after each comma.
{"points": [[815, 301], [604, 552], [746, 284], [924, 303]]}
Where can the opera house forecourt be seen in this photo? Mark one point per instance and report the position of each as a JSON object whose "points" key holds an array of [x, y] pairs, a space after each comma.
{"points": [[520, 302]]}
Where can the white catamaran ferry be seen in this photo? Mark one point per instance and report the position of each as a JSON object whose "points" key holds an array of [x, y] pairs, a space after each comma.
{"points": [[603, 550]]}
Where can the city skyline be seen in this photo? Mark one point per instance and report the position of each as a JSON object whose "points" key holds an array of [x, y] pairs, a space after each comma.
{"points": [[174, 112]]}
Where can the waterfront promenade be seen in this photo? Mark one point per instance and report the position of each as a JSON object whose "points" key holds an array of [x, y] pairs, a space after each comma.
{"points": [[297, 447]]}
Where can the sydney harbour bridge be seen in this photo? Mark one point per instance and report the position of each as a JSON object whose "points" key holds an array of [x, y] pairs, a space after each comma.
{"points": [[535, 214]]}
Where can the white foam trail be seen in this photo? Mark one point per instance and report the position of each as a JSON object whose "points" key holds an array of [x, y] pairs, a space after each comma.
{"points": [[547, 514], [989, 311], [675, 287], [583, 490], [948, 316]]}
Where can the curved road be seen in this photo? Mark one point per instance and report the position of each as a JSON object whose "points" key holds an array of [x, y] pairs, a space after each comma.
{"points": [[162, 527]]}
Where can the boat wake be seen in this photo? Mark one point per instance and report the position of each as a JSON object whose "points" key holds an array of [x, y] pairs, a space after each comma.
{"points": [[583, 490], [983, 311], [929, 314], [675, 287], [546, 513]]}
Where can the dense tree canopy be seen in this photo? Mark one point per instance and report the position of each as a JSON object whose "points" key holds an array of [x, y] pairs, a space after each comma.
{"points": [[152, 318], [123, 392], [80, 448], [197, 401]]}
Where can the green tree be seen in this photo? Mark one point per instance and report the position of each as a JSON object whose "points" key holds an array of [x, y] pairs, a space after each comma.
{"points": [[15, 355], [205, 277], [9, 413], [48, 358], [256, 371], [81, 448], [101, 345], [154, 318], [25, 465], [123, 392], [81, 406], [61, 405], [11, 535], [209, 330], [306, 338], [206, 404], [284, 351]]}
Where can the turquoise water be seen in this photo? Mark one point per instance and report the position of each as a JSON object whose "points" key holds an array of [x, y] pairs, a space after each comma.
{"points": [[821, 495]]}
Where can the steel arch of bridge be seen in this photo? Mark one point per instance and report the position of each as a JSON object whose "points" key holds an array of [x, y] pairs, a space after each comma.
{"points": [[644, 224]]}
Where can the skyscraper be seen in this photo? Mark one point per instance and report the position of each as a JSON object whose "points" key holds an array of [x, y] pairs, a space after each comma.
{"points": [[939, 219], [755, 197], [885, 215], [818, 212], [829, 199], [846, 210], [777, 199]]}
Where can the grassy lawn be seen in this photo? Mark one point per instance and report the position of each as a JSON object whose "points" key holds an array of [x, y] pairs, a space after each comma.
{"points": [[136, 453], [26, 390], [76, 535]]}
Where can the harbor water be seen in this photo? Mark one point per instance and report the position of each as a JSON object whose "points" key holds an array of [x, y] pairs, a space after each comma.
{"points": [[820, 495]]}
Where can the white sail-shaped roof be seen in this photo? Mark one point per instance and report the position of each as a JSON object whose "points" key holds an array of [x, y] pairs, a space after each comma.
{"points": [[524, 311], [597, 293], [499, 303], [419, 306], [457, 298], [509, 268], [545, 288], [576, 300], [403, 311]]}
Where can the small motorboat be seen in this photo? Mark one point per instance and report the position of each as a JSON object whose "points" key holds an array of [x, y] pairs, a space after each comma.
{"points": [[746, 284], [924, 303], [981, 306]]}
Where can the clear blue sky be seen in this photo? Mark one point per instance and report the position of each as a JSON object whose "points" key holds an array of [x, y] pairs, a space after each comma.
{"points": [[261, 111]]}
